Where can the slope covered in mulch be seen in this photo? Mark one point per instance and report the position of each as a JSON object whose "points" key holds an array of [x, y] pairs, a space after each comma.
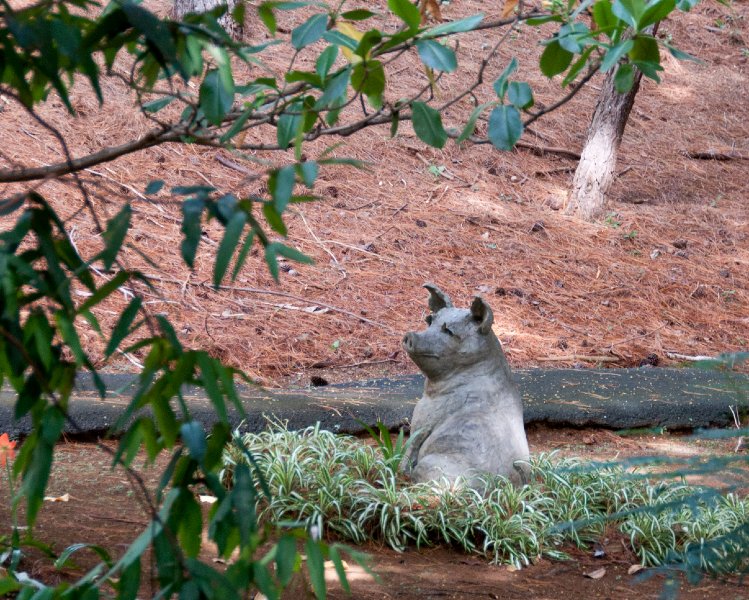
{"points": [[666, 271]]}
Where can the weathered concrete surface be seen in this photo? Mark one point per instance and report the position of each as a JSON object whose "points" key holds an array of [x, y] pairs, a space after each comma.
{"points": [[615, 398]]}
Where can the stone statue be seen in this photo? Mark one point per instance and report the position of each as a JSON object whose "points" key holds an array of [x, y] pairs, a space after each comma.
{"points": [[470, 419]]}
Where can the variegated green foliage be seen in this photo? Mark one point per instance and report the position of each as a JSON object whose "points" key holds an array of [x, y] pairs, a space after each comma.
{"points": [[316, 476]]}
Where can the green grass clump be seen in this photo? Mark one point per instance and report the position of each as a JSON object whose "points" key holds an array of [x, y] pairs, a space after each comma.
{"points": [[316, 476]]}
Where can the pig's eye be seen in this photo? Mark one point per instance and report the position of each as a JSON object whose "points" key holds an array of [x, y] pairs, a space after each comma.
{"points": [[446, 329], [428, 319]]}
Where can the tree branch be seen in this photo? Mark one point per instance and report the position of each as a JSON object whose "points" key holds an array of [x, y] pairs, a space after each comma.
{"points": [[152, 138]]}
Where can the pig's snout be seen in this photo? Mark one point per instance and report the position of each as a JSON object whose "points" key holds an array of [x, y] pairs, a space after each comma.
{"points": [[408, 342]]}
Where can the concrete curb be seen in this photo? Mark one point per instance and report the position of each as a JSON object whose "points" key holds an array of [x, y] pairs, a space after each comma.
{"points": [[676, 399]]}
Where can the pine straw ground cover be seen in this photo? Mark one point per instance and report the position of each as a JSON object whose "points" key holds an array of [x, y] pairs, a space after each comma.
{"points": [[349, 489], [665, 271]]}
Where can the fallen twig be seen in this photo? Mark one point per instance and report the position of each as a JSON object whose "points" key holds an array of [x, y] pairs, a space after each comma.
{"points": [[677, 356], [369, 362], [553, 171], [637, 337], [574, 358], [715, 155], [737, 422], [544, 150], [237, 167]]}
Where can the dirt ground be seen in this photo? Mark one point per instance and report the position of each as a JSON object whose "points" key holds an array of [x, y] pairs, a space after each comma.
{"points": [[104, 509], [663, 272]]}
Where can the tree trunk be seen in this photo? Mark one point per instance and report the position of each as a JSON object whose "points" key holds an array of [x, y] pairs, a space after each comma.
{"points": [[234, 29], [595, 171]]}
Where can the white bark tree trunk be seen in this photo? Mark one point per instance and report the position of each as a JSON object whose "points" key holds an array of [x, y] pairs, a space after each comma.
{"points": [[595, 171], [234, 29]]}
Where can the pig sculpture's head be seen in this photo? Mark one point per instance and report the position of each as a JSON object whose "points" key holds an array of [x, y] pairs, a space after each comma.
{"points": [[456, 340]]}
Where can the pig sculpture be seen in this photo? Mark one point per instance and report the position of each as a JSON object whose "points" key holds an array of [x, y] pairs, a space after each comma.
{"points": [[470, 418]]}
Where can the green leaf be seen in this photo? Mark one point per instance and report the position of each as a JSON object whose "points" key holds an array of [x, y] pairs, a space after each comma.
{"points": [[308, 172], [289, 252], [427, 123], [315, 564], [574, 37], [289, 124], [645, 49], [8, 585], [520, 95], [192, 213], [155, 106], [243, 499], [238, 124], [114, 235], [281, 185], [155, 31], [460, 26], [368, 41], [629, 11], [681, 55], [624, 78], [578, 66], [286, 559], [536, 21], [554, 59], [242, 256], [70, 336], [368, 77], [37, 471], [437, 56], [394, 122], [604, 17], [310, 31], [190, 524], [129, 583], [311, 78], [325, 61], [407, 11], [687, 5], [154, 187], [505, 127], [500, 85], [165, 418], [265, 12], [471, 123], [340, 39], [335, 89], [122, 329], [228, 245], [194, 438], [209, 379], [358, 14], [101, 552], [615, 54], [274, 218], [335, 558], [216, 96]]}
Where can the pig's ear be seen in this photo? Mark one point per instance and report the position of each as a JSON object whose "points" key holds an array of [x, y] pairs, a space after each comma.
{"points": [[482, 314], [437, 298]]}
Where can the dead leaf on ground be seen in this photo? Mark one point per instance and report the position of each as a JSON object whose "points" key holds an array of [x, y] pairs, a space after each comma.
{"points": [[63, 498], [433, 7], [634, 569], [597, 574], [508, 8]]}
